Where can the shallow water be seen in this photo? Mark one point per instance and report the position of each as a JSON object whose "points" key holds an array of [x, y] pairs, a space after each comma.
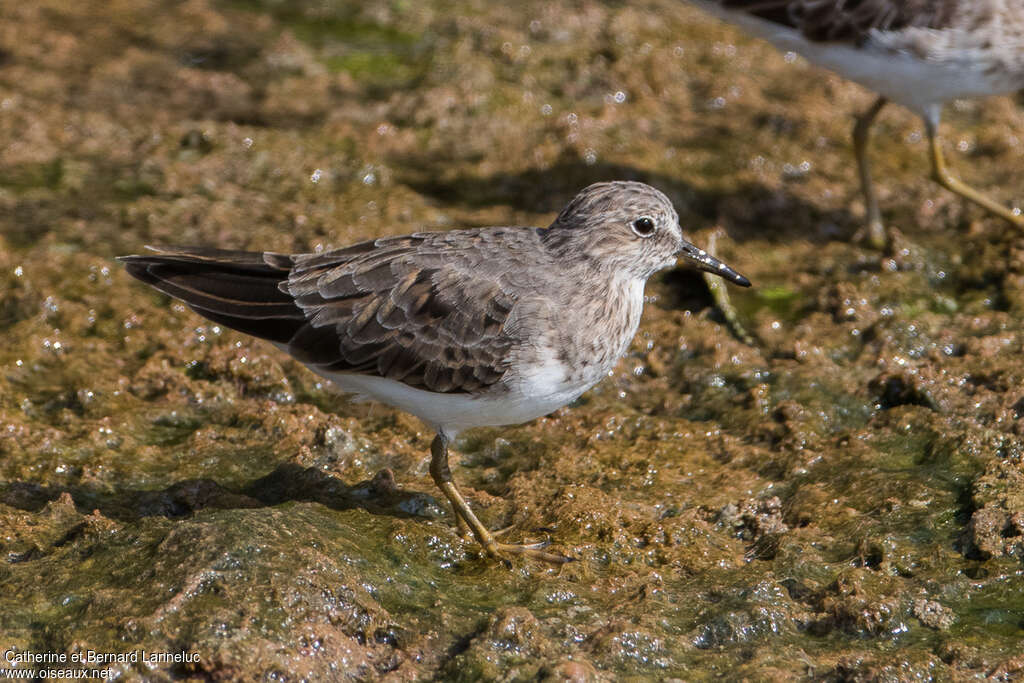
{"points": [[843, 501]]}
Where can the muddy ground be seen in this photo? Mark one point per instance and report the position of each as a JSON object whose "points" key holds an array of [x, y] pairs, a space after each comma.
{"points": [[842, 501]]}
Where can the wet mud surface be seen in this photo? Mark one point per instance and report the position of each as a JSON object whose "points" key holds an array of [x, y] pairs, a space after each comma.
{"points": [[842, 501]]}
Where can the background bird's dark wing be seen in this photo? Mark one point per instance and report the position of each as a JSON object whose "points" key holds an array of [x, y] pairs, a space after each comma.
{"points": [[428, 310], [847, 20]]}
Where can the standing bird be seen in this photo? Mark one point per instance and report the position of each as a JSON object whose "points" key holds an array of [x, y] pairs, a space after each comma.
{"points": [[918, 53], [466, 328]]}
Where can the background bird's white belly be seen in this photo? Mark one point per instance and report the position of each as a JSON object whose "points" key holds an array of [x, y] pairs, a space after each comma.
{"points": [[901, 77]]}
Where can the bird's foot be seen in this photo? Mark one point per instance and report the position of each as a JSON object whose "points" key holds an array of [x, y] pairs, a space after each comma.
{"points": [[873, 235], [468, 521], [534, 551], [498, 533], [503, 551], [466, 534]]}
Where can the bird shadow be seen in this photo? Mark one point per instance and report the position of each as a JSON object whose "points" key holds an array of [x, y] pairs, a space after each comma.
{"points": [[288, 482], [747, 211]]}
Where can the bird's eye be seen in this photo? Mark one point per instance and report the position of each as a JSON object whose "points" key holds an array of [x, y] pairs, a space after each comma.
{"points": [[643, 226]]}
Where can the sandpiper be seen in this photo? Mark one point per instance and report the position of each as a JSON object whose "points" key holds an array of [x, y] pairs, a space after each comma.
{"points": [[918, 53], [466, 328]]}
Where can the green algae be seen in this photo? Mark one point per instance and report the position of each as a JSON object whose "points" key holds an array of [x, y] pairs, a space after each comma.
{"points": [[47, 175], [381, 57], [842, 501]]}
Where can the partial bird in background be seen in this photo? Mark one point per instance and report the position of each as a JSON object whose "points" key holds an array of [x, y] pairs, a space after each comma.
{"points": [[918, 53]]}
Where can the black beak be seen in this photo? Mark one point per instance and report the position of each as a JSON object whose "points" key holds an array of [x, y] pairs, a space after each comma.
{"points": [[701, 260]]}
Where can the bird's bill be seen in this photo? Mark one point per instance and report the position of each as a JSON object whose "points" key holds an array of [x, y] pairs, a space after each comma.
{"points": [[697, 258]]}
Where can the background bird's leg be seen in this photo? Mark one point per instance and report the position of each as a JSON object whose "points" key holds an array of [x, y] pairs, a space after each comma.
{"points": [[874, 231], [443, 478], [941, 175]]}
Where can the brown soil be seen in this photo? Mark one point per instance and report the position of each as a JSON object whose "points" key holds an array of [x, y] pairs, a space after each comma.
{"points": [[843, 501]]}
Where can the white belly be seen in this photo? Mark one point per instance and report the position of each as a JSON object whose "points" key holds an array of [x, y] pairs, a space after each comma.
{"points": [[452, 413]]}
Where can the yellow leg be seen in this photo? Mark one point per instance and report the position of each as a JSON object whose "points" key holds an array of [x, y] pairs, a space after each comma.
{"points": [[941, 175], [443, 478], [873, 232], [464, 531]]}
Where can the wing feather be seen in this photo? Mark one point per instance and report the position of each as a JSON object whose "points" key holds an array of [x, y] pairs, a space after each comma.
{"points": [[425, 310]]}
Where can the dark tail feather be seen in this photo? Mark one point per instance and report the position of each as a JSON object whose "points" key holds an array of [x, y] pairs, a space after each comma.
{"points": [[238, 289]]}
